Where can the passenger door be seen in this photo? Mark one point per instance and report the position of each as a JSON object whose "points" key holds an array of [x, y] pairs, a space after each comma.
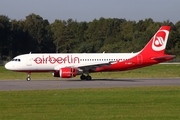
{"points": [[29, 60]]}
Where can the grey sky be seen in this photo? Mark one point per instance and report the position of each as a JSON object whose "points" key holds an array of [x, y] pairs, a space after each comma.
{"points": [[88, 10]]}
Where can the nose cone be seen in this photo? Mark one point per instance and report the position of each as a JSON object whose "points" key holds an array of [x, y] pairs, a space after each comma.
{"points": [[8, 66]]}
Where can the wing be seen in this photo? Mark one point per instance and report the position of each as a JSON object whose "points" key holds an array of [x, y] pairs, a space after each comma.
{"points": [[93, 66], [88, 66]]}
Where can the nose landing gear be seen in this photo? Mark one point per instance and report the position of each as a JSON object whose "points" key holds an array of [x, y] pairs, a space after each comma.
{"points": [[28, 78]]}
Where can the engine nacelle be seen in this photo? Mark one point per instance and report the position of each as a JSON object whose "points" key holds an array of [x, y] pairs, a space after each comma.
{"points": [[66, 72]]}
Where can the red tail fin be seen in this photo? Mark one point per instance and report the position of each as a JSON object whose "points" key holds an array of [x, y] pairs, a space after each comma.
{"points": [[158, 42]]}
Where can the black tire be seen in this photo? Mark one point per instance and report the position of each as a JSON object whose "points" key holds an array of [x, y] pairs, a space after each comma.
{"points": [[83, 77], [28, 79], [88, 77]]}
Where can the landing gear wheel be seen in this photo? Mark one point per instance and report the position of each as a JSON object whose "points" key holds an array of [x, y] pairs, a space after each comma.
{"points": [[88, 77], [83, 77], [28, 78]]}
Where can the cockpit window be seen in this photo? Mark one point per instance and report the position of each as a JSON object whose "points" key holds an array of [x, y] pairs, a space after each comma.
{"points": [[18, 60]]}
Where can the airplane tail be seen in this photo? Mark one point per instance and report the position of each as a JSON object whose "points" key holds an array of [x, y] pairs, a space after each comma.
{"points": [[158, 42]]}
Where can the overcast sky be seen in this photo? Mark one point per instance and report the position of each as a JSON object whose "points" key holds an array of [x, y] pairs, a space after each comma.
{"points": [[88, 10]]}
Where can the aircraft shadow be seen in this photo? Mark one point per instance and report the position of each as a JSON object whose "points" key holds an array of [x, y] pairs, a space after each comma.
{"points": [[106, 79]]}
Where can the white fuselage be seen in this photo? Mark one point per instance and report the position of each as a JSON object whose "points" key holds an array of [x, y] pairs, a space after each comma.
{"points": [[51, 62]]}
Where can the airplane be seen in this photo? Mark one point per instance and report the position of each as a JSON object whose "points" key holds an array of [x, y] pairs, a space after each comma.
{"points": [[69, 65]]}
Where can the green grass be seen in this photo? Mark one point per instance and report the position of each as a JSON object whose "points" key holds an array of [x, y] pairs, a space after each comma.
{"points": [[126, 103], [155, 71], [133, 103]]}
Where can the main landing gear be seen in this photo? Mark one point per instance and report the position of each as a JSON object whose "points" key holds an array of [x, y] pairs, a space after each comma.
{"points": [[83, 77], [28, 78]]}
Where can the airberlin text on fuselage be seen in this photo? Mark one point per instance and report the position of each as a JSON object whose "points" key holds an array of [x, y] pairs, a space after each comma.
{"points": [[56, 60]]}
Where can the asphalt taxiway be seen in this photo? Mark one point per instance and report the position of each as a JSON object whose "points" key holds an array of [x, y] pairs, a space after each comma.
{"points": [[6, 85]]}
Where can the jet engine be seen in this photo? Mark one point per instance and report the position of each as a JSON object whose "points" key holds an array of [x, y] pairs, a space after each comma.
{"points": [[67, 72]]}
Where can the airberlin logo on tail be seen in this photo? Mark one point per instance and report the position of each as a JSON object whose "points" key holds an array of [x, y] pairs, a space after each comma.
{"points": [[160, 40]]}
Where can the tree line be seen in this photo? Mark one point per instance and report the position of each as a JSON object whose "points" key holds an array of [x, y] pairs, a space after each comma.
{"points": [[37, 35]]}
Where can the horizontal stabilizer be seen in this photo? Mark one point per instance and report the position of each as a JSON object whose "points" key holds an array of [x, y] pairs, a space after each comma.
{"points": [[165, 57]]}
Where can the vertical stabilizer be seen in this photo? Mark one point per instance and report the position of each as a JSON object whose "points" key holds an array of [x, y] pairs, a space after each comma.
{"points": [[158, 42]]}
